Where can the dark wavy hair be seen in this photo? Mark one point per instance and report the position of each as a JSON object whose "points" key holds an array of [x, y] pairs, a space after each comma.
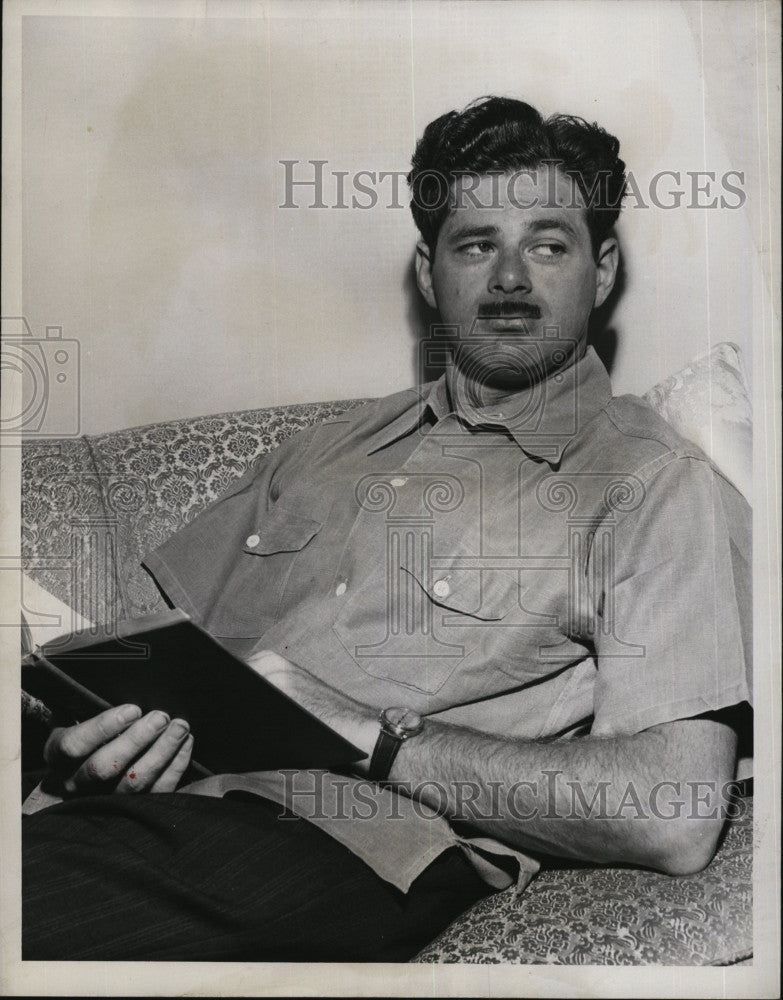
{"points": [[501, 135]]}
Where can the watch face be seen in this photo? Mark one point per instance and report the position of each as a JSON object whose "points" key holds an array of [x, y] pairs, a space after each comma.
{"points": [[402, 722]]}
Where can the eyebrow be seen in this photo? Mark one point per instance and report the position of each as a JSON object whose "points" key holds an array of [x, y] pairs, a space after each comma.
{"points": [[473, 232], [536, 226], [554, 222]]}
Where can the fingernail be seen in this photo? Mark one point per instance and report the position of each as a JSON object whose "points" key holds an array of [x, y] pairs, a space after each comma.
{"points": [[179, 729], [129, 712], [159, 719]]}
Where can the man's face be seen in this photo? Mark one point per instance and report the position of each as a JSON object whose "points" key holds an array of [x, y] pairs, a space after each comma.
{"points": [[518, 278]]}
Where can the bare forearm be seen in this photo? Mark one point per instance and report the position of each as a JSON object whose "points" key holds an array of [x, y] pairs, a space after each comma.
{"points": [[653, 798], [624, 798]]}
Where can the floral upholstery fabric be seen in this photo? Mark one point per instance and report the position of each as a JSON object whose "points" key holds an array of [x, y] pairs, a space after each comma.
{"points": [[62, 515], [616, 916]]}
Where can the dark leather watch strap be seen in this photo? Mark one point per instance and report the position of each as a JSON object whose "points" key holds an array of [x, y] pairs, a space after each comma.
{"points": [[386, 747]]}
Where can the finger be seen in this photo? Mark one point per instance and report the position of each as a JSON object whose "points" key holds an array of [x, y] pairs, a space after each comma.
{"points": [[172, 776], [66, 746], [144, 772], [111, 761]]}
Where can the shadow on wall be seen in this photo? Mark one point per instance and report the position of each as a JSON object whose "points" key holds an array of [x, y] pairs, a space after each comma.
{"points": [[429, 361]]}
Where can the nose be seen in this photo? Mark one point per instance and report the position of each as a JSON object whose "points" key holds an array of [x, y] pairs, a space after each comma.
{"points": [[510, 274]]}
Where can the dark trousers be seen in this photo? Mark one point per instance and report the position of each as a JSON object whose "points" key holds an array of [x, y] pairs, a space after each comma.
{"points": [[190, 878]]}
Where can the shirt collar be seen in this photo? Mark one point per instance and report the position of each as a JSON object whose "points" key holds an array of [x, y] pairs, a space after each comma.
{"points": [[542, 419], [409, 420]]}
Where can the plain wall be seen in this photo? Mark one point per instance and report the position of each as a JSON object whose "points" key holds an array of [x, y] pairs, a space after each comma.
{"points": [[152, 186]]}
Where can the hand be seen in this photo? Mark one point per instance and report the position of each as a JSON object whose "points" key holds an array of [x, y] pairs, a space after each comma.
{"points": [[120, 751]]}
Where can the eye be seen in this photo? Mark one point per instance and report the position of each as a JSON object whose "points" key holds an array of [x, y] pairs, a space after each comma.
{"points": [[477, 249], [548, 249]]}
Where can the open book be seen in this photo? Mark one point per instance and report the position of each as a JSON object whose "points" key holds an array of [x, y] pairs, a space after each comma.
{"points": [[239, 720]]}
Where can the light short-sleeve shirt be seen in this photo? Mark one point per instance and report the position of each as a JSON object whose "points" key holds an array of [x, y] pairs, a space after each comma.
{"points": [[563, 563]]}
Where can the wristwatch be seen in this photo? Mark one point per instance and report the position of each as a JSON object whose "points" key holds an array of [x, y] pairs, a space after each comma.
{"points": [[397, 725]]}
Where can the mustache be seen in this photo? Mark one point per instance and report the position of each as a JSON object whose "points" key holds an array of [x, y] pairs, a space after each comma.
{"points": [[506, 308]]}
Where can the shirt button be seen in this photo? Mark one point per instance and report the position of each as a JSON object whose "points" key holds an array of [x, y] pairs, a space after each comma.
{"points": [[252, 541], [441, 588], [340, 589], [398, 481]]}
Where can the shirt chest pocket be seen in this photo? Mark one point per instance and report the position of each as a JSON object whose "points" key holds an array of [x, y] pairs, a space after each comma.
{"points": [[250, 598], [414, 629]]}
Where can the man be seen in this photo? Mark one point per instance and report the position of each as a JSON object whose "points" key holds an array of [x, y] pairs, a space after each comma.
{"points": [[540, 588]]}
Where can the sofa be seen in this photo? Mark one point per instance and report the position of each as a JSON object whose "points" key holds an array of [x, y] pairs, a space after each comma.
{"points": [[92, 506]]}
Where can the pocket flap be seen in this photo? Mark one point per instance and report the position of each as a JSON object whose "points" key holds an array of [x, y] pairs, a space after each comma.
{"points": [[281, 531]]}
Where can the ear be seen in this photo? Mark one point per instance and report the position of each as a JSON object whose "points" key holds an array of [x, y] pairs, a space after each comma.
{"points": [[608, 260], [424, 274]]}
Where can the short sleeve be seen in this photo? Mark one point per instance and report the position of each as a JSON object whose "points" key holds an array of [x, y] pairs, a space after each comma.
{"points": [[200, 568], [673, 638]]}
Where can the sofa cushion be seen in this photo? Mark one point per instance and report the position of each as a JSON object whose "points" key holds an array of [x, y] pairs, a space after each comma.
{"points": [[616, 915], [707, 402]]}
